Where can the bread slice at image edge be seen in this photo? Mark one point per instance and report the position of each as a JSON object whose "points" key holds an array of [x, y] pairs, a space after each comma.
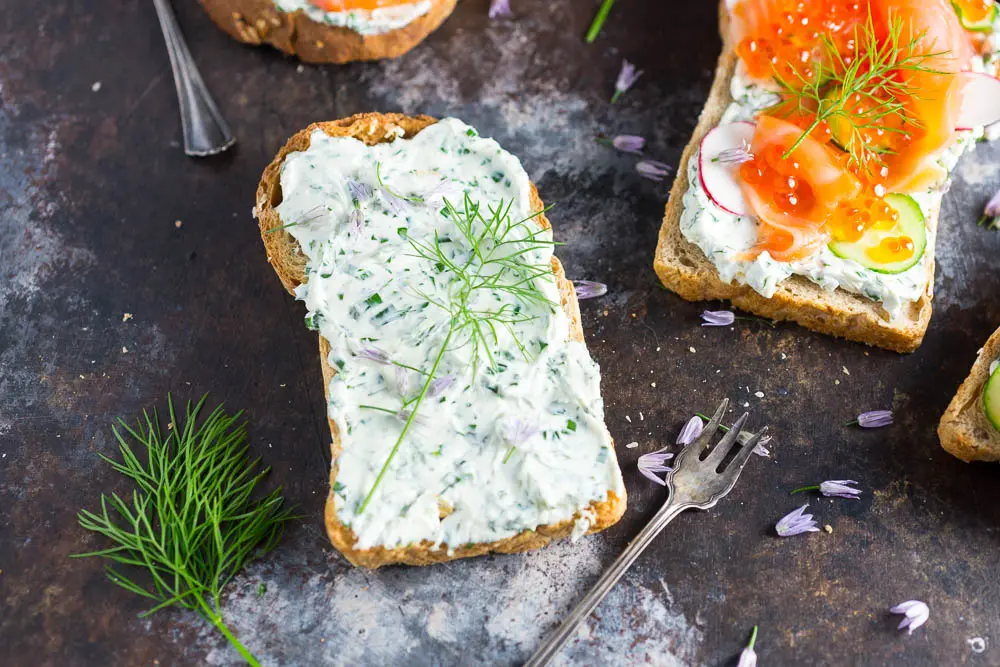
{"points": [[964, 430], [261, 22], [683, 268], [285, 256]]}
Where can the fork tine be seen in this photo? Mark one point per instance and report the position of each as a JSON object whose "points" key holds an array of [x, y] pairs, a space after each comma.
{"points": [[744, 454], [707, 433], [720, 451]]}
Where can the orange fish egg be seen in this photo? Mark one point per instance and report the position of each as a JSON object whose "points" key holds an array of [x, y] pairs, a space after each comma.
{"points": [[892, 249], [974, 11]]}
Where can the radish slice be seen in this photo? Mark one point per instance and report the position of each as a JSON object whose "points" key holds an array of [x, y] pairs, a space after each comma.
{"points": [[980, 100], [721, 180]]}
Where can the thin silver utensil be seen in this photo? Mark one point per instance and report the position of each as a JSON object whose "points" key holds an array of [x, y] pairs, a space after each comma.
{"points": [[205, 130], [694, 483]]}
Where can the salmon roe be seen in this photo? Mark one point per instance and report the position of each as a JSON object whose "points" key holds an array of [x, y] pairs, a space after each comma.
{"points": [[892, 249], [852, 219], [790, 46], [771, 172]]}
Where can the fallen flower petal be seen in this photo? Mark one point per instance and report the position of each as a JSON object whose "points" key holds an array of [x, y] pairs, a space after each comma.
{"points": [[629, 143], [654, 462], [748, 658], [626, 78], [652, 169], [734, 156], [915, 614], [761, 449], [692, 429], [796, 523], [360, 191], [875, 418], [356, 223], [717, 318], [439, 385], [839, 488], [373, 354], [500, 8], [588, 289], [991, 214]]}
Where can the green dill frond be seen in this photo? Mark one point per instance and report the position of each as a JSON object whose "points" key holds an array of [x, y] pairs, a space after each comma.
{"points": [[492, 253], [870, 75], [194, 518]]}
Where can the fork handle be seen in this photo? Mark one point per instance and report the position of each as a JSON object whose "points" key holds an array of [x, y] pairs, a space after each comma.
{"points": [[554, 642], [205, 130]]}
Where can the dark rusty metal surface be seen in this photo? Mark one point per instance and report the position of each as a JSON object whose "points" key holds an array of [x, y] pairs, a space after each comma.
{"points": [[92, 181]]}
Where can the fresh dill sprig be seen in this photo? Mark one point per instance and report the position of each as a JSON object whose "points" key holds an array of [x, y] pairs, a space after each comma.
{"points": [[192, 521], [490, 253], [869, 75]]}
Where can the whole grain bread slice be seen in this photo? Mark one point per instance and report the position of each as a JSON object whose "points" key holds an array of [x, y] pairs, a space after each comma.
{"points": [[288, 261], [964, 429], [683, 268], [261, 22]]}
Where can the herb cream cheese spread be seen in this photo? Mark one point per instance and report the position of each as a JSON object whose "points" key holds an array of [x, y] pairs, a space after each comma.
{"points": [[724, 237], [365, 22], [509, 434]]}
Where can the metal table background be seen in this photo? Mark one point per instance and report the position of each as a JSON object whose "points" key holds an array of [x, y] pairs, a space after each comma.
{"points": [[92, 182]]}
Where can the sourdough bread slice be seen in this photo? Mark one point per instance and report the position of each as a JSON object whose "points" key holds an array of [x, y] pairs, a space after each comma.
{"points": [[288, 261], [261, 22], [964, 430], [683, 268]]}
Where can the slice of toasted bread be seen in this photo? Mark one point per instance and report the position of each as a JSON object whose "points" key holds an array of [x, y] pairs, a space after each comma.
{"points": [[965, 430], [288, 261], [261, 22], [684, 269]]}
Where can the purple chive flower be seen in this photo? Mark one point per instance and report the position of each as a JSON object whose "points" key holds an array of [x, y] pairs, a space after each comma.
{"points": [[397, 205], [626, 78], [875, 418], [760, 449], [356, 223], [735, 156], [404, 416], [839, 488], [440, 385], [690, 431], [915, 614], [516, 431], [654, 462], [748, 658], [500, 8], [587, 289], [652, 169], [374, 354], [629, 143], [717, 318], [403, 380], [360, 192], [991, 214], [796, 523]]}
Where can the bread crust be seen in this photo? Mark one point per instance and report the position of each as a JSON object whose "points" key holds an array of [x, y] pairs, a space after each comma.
{"points": [[683, 268], [964, 430], [261, 22], [286, 258]]}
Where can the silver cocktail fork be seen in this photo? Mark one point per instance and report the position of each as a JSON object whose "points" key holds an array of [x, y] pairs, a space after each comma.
{"points": [[205, 130], [697, 481]]}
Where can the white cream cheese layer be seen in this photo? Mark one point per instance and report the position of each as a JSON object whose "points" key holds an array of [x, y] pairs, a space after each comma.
{"points": [[514, 444], [723, 236], [365, 22]]}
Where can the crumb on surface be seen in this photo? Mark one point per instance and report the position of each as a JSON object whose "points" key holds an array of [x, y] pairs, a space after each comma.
{"points": [[96, 86], [828, 528], [178, 223], [126, 317], [632, 445]]}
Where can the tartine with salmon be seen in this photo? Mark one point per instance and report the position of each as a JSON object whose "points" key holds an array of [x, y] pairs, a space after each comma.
{"points": [[812, 186], [331, 31]]}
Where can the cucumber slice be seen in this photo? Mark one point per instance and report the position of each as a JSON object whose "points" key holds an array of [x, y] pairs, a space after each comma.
{"points": [[985, 25], [911, 223], [991, 400]]}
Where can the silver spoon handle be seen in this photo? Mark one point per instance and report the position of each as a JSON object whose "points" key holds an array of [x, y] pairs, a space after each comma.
{"points": [[205, 131], [554, 642]]}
